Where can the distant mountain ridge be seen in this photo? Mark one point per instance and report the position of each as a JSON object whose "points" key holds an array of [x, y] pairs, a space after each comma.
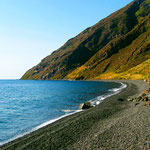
{"points": [[107, 50]]}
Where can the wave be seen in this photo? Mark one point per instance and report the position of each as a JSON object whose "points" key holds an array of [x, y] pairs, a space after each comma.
{"points": [[54, 120], [123, 86], [112, 92], [68, 110]]}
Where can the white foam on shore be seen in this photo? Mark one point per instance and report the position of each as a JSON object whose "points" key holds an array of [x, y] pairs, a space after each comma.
{"points": [[54, 120], [94, 102], [123, 86], [68, 110], [113, 91]]}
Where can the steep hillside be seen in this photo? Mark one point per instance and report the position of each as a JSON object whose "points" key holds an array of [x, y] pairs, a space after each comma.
{"points": [[112, 46], [141, 71]]}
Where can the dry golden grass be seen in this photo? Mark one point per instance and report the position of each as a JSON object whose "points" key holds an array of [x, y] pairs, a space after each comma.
{"points": [[76, 73], [141, 71]]}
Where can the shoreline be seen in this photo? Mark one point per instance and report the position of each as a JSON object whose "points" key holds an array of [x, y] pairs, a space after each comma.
{"points": [[113, 91], [72, 119], [49, 122]]}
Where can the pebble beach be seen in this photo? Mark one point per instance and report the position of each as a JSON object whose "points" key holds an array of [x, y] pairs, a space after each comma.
{"points": [[117, 123]]}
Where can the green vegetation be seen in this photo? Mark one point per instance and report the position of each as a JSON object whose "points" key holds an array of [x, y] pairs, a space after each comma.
{"points": [[117, 47]]}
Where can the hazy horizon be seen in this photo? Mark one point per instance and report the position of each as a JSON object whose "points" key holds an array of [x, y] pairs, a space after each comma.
{"points": [[31, 30]]}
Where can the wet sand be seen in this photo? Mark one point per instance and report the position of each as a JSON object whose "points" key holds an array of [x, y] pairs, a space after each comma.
{"points": [[113, 124]]}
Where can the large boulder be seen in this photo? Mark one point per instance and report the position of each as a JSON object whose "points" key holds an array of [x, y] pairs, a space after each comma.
{"points": [[85, 105]]}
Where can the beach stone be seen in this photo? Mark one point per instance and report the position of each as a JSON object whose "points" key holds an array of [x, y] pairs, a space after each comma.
{"points": [[120, 99], [133, 99], [137, 99], [129, 99], [144, 93], [145, 99], [137, 104], [85, 105], [148, 90], [148, 103]]}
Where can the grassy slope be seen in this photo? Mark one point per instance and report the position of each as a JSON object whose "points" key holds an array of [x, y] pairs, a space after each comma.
{"points": [[126, 58], [141, 71], [114, 45]]}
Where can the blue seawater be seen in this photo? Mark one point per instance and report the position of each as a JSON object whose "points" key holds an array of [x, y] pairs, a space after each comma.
{"points": [[26, 104]]}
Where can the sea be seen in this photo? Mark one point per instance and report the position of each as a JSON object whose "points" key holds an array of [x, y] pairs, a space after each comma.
{"points": [[27, 105]]}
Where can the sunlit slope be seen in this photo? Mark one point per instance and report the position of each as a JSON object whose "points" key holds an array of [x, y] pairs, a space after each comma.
{"points": [[141, 71], [101, 65], [112, 46]]}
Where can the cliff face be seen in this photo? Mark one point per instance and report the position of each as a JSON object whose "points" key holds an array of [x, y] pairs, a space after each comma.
{"points": [[106, 50]]}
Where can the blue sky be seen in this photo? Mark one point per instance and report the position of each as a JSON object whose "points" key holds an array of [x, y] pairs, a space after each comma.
{"points": [[31, 29]]}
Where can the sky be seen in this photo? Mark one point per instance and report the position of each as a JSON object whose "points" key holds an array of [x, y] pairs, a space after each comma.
{"points": [[32, 29]]}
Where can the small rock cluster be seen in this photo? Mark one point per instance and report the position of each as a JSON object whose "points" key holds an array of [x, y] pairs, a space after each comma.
{"points": [[147, 81], [145, 96]]}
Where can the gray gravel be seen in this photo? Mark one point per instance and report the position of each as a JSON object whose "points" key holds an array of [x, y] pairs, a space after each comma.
{"points": [[112, 125], [127, 129]]}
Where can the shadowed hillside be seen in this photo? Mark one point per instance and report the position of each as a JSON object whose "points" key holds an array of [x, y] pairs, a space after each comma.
{"points": [[107, 50]]}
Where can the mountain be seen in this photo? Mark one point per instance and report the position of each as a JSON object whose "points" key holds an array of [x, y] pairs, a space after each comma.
{"points": [[115, 48]]}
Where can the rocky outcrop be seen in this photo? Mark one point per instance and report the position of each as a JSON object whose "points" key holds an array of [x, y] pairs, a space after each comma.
{"points": [[145, 96], [85, 105]]}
